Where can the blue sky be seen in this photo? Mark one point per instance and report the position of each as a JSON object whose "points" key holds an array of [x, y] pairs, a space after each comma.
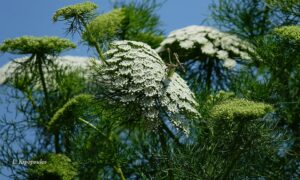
{"points": [[33, 17]]}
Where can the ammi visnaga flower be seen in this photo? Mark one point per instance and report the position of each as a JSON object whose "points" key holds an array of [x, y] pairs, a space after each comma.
{"points": [[239, 109], [136, 75], [36, 45], [83, 10]]}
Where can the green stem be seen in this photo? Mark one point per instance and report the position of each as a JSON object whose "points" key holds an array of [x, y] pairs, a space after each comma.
{"points": [[164, 148], [237, 151], [39, 59], [43, 82], [119, 171], [94, 127], [31, 100], [116, 167], [94, 42]]}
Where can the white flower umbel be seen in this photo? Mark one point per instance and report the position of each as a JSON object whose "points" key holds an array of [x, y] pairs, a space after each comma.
{"points": [[138, 76], [194, 41], [69, 62], [230, 64]]}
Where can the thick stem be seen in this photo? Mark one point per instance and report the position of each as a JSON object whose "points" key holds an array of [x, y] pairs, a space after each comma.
{"points": [[43, 82], [39, 59]]}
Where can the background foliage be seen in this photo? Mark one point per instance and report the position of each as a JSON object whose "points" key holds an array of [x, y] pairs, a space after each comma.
{"points": [[127, 113]]}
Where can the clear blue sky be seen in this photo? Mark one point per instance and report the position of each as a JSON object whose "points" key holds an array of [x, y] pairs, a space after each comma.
{"points": [[33, 17]]}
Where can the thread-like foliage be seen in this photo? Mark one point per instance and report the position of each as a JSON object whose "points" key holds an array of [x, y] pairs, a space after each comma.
{"points": [[65, 115], [250, 18], [127, 22]]}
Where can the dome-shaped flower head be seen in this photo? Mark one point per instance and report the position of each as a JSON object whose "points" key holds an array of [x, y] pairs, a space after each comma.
{"points": [[51, 166], [39, 49], [137, 76], [210, 48], [83, 10], [36, 45], [76, 16], [239, 110], [194, 42], [67, 63]]}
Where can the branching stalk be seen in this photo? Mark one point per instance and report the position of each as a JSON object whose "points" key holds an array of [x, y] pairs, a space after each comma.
{"points": [[94, 42], [116, 167]]}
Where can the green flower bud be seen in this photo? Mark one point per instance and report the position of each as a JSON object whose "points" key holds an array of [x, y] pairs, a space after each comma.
{"points": [[105, 27], [288, 32], [51, 166], [239, 109]]}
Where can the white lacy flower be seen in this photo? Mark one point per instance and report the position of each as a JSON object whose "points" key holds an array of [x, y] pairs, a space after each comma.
{"points": [[208, 49], [229, 63], [210, 41], [70, 62], [187, 44], [140, 75], [222, 54]]}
